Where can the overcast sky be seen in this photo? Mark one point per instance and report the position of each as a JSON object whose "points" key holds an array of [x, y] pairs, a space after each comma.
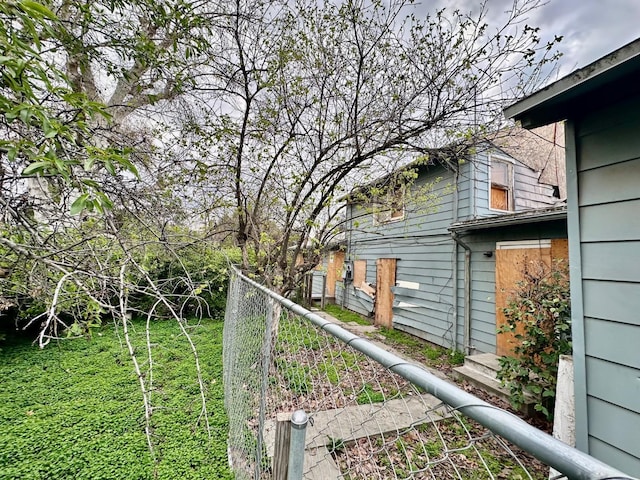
{"points": [[591, 28]]}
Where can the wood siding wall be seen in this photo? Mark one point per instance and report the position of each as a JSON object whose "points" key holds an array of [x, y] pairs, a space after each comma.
{"points": [[423, 249], [527, 193], [604, 183], [483, 277], [426, 256]]}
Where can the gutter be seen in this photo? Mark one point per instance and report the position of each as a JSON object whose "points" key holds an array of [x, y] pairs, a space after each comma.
{"points": [[507, 220]]}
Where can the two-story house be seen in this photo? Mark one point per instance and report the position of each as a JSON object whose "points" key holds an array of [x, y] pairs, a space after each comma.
{"points": [[439, 258]]}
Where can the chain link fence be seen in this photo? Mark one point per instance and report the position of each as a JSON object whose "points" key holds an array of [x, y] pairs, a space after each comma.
{"points": [[372, 415]]}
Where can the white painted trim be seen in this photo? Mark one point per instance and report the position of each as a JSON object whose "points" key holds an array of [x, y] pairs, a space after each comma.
{"points": [[406, 305], [409, 285], [501, 158], [514, 245]]}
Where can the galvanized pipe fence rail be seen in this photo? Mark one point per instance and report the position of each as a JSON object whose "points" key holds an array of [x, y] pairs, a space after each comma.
{"points": [[372, 414]]}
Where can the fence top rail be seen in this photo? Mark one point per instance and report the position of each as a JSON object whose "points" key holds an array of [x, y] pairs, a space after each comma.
{"points": [[553, 452]]}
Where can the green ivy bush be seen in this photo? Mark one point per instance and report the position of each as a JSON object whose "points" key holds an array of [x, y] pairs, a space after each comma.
{"points": [[193, 274], [539, 316], [190, 272]]}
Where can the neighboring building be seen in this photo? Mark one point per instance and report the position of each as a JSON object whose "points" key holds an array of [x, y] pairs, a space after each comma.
{"points": [[427, 264], [601, 105], [327, 273]]}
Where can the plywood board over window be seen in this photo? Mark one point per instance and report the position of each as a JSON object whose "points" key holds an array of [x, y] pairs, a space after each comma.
{"points": [[513, 261], [501, 197], [359, 273], [385, 280], [334, 269]]}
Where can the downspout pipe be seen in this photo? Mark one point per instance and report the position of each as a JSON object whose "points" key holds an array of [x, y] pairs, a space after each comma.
{"points": [[454, 263], [467, 292]]}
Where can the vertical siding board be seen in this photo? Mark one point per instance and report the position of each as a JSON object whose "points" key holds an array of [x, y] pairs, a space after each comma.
{"points": [[575, 269]]}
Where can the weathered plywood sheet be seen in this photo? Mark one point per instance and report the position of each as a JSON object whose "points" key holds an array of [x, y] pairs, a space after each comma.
{"points": [[560, 249], [359, 272], [385, 279], [334, 270], [511, 267]]}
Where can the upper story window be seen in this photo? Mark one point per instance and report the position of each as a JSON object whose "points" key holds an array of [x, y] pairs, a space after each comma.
{"points": [[389, 208], [501, 180]]}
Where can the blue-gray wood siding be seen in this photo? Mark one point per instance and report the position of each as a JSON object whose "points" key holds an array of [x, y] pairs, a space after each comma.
{"points": [[527, 192], [427, 255], [424, 251], [604, 185], [483, 277]]}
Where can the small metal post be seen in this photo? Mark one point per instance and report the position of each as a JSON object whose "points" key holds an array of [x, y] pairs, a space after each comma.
{"points": [[323, 299], [299, 420]]}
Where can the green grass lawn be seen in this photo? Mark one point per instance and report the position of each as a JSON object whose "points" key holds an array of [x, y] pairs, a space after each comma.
{"points": [[345, 315], [74, 410]]}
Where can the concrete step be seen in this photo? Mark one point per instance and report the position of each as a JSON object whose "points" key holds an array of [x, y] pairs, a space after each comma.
{"points": [[485, 363], [474, 373], [485, 382]]}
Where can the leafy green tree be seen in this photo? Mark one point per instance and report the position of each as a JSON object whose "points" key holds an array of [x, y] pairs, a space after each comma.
{"points": [[136, 135], [82, 237], [46, 125]]}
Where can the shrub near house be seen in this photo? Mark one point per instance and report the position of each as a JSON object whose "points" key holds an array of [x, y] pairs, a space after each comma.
{"points": [[539, 315]]}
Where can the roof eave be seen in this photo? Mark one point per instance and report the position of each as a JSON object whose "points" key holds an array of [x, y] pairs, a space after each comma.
{"points": [[554, 102], [534, 216]]}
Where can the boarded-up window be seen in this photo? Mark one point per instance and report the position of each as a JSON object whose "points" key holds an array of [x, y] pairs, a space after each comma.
{"points": [[359, 272], [501, 185]]}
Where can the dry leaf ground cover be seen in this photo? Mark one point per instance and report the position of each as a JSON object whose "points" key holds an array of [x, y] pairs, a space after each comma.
{"points": [[316, 372]]}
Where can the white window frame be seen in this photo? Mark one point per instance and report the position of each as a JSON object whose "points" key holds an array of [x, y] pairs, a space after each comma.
{"points": [[382, 214], [510, 188]]}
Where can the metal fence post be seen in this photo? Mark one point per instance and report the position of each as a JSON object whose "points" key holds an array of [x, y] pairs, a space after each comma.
{"points": [[299, 421]]}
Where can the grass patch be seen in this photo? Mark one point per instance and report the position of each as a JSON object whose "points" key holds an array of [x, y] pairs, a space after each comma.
{"points": [[346, 316], [296, 376], [433, 352], [399, 337], [421, 350], [74, 409], [368, 395], [456, 357]]}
